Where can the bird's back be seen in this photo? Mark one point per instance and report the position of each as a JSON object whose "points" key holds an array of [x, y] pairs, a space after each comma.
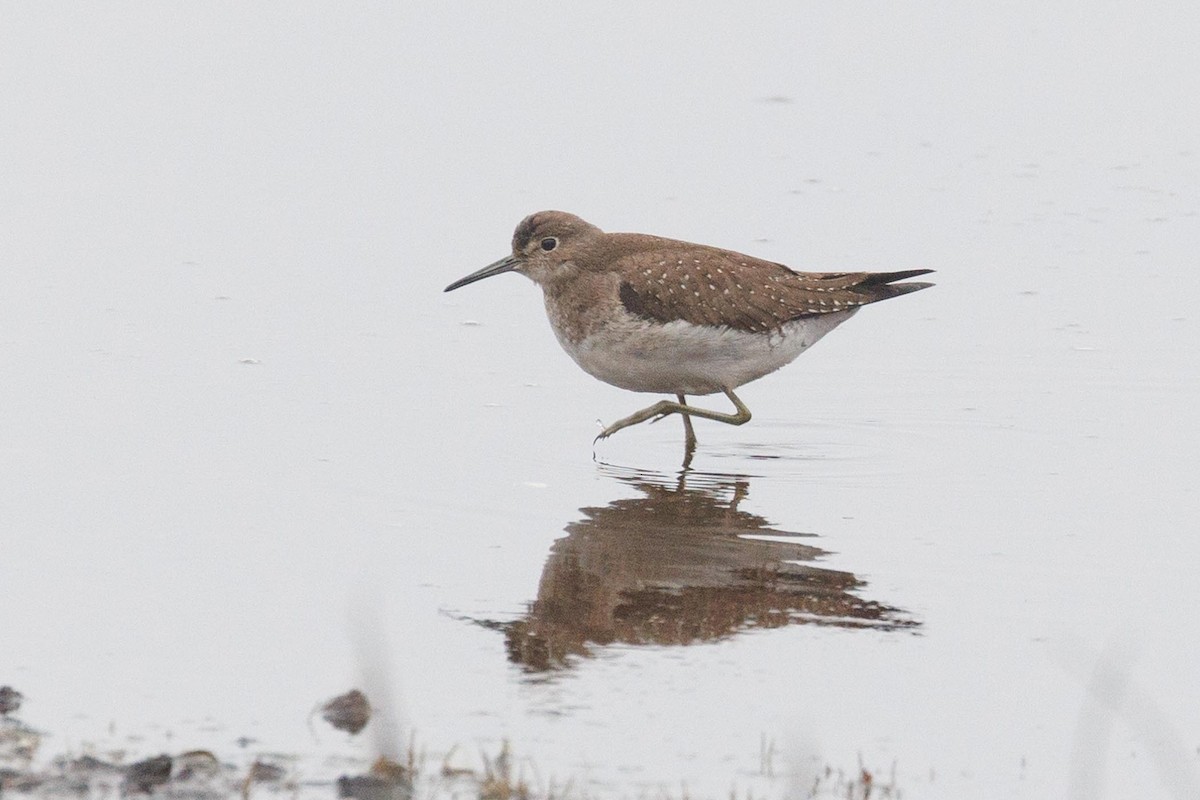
{"points": [[664, 280]]}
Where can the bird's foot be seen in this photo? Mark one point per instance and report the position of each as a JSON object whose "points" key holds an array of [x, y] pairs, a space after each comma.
{"points": [[653, 413]]}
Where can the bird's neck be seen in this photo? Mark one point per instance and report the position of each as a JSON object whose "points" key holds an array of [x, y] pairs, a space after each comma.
{"points": [[579, 306]]}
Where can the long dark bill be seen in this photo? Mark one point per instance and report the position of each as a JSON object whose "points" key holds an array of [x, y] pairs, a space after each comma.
{"points": [[506, 264]]}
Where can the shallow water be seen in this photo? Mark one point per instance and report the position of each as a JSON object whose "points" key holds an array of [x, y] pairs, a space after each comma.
{"points": [[252, 456]]}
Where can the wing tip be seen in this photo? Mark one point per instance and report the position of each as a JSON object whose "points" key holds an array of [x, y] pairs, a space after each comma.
{"points": [[882, 278]]}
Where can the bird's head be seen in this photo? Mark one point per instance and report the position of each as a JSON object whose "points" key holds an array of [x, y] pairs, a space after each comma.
{"points": [[545, 247]]}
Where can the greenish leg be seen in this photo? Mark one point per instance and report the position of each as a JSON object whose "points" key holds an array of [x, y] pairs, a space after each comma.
{"points": [[689, 434], [689, 438], [665, 408]]}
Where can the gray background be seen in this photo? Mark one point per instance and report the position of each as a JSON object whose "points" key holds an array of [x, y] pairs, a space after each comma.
{"points": [[237, 410]]}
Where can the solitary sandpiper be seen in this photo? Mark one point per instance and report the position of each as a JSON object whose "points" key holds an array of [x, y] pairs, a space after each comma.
{"points": [[657, 315]]}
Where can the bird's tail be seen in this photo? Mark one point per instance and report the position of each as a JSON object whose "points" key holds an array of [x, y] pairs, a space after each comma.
{"points": [[882, 285]]}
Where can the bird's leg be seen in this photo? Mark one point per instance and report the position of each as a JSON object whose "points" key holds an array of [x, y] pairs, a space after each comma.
{"points": [[665, 407], [689, 435]]}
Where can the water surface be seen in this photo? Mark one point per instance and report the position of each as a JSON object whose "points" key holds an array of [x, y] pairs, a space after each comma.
{"points": [[252, 456]]}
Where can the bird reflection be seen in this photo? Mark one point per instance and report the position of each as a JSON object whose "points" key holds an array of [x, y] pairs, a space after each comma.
{"points": [[673, 566]]}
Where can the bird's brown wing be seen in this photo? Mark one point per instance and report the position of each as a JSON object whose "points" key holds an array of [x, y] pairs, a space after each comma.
{"points": [[709, 286]]}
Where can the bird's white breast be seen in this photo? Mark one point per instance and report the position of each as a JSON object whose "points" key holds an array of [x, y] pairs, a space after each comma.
{"points": [[681, 358]]}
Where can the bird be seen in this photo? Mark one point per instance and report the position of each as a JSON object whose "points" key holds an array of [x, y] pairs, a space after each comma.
{"points": [[657, 315]]}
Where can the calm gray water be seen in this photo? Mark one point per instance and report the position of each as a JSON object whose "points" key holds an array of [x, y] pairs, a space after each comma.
{"points": [[252, 456]]}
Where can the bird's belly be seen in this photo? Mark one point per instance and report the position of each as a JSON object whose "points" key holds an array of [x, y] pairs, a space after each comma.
{"points": [[682, 358]]}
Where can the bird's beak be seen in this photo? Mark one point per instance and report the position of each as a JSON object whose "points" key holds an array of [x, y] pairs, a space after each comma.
{"points": [[506, 264]]}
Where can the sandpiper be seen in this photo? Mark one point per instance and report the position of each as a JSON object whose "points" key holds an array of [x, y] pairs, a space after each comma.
{"points": [[650, 314]]}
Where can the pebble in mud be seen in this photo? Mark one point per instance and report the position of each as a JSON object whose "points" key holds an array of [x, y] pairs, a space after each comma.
{"points": [[10, 700], [348, 712], [141, 777]]}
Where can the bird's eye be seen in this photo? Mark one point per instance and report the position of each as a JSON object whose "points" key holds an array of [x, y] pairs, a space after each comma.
{"points": [[549, 243]]}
